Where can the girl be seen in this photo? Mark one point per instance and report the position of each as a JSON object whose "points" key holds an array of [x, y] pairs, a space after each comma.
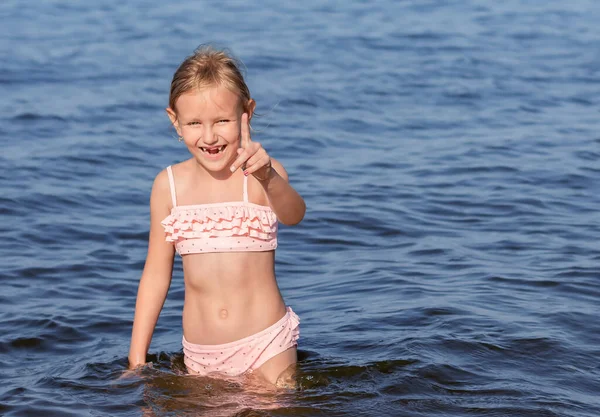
{"points": [[219, 210]]}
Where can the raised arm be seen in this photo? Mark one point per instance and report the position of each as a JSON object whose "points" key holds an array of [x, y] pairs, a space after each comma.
{"points": [[288, 205], [156, 277]]}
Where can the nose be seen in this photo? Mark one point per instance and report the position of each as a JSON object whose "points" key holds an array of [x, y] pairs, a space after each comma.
{"points": [[209, 136]]}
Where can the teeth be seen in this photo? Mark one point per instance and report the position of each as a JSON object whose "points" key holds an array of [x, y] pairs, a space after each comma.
{"points": [[219, 149]]}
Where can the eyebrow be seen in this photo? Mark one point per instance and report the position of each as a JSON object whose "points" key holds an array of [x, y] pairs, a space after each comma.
{"points": [[220, 117]]}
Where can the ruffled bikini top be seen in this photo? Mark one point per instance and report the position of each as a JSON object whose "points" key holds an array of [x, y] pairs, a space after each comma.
{"points": [[237, 226]]}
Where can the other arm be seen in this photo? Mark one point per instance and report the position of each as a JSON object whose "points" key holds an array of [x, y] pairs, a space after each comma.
{"points": [[156, 276]]}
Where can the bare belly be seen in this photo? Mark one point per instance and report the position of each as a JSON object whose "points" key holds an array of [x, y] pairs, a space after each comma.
{"points": [[229, 296]]}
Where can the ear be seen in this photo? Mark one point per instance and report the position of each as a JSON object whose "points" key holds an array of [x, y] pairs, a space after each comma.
{"points": [[250, 106], [173, 117]]}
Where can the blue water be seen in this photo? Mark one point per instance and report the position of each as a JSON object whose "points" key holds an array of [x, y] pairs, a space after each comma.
{"points": [[449, 155]]}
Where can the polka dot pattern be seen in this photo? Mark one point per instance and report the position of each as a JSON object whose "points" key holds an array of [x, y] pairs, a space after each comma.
{"points": [[235, 226], [224, 244], [189, 220], [244, 355]]}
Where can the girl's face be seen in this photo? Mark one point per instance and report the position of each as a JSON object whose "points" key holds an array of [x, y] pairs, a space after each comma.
{"points": [[210, 122]]}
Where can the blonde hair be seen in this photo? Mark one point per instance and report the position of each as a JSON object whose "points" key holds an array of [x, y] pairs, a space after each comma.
{"points": [[208, 67]]}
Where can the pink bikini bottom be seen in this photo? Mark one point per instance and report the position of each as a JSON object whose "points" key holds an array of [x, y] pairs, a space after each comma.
{"points": [[244, 355]]}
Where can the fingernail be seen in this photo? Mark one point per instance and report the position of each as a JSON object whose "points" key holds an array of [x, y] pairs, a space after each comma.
{"points": [[246, 173], [232, 168]]}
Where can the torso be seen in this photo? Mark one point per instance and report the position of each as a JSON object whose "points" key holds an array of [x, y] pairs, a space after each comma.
{"points": [[228, 295]]}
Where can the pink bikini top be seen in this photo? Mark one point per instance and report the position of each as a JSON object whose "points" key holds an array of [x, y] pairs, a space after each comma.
{"points": [[237, 226]]}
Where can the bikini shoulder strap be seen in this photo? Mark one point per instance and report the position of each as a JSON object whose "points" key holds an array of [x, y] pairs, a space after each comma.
{"points": [[172, 186]]}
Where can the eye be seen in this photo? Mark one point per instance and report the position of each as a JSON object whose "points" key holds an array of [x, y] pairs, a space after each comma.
{"points": [[193, 123], [223, 121]]}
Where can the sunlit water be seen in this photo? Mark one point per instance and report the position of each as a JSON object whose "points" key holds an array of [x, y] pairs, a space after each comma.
{"points": [[449, 155]]}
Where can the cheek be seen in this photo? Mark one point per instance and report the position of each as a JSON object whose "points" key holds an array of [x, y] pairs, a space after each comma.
{"points": [[231, 133]]}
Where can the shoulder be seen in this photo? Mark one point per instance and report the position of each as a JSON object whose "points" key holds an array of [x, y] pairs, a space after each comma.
{"points": [[161, 190], [277, 166], [161, 181], [178, 170], [161, 187]]}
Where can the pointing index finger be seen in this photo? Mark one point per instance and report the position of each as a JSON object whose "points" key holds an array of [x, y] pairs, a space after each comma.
{"points": [[245, 131]]}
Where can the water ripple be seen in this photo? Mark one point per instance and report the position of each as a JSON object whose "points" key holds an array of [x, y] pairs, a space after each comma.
{"points": [[448, 154]]}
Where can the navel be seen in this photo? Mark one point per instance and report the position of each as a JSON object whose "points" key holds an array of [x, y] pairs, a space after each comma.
{"points": [[223, 313]]}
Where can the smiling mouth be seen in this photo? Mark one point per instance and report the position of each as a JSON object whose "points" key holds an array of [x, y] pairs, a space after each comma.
{"points": [[213, 150]]}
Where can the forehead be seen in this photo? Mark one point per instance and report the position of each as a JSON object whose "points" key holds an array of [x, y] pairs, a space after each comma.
{"points": [[208, 102]]}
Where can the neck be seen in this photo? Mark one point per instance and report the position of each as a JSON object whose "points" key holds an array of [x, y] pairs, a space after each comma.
{"points": [[222, 175]]}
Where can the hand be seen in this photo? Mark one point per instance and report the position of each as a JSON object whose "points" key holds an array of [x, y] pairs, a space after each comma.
{"points": [[136, 371], [251, 155]]}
